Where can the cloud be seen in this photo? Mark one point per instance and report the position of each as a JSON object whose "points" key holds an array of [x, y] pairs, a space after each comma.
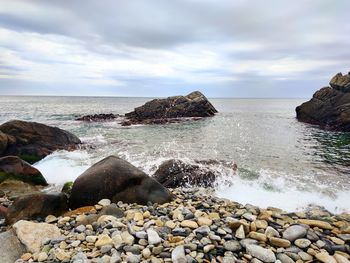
{"points": [[160, 48]]}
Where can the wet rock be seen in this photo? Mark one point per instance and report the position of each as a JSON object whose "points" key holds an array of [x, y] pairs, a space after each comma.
{"points": [[98, 117], [294, 232], [11, 248], [117, 180], [36, 205], [32, 234], [176, 173], [33, 141], [194, 104], [329, 106], [13, 168]]}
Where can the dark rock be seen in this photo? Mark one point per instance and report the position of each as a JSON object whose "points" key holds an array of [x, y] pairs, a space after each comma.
{"points": [[11, 247], [36, 205], [329, 106], [33, 141], [160, 111], [176, 173], [3, 211], [97, 117], [117, 180], [13, 168]]}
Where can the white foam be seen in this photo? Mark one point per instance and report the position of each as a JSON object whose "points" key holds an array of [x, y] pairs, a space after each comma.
{"points": [[288, 199], [63, 166]]}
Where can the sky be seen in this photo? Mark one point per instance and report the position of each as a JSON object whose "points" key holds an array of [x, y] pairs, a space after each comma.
{"points": [[157, 48]]}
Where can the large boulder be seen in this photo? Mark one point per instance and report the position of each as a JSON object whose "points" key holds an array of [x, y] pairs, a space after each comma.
{"points": [[13, 168], [176, 173], [194, 104], [329, 106], [11, 247], [32, 141], [36, 205], [117, 180]]}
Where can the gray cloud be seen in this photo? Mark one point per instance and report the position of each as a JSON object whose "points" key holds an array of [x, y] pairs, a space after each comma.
{"points": [[176, 45]]}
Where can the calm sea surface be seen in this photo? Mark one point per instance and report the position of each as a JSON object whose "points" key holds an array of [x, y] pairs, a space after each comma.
{"points": [[281, 161]]}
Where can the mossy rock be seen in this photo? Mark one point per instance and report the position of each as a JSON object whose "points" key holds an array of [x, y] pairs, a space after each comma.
{"points": [[32, 179], [67, 188], [30, 158]]}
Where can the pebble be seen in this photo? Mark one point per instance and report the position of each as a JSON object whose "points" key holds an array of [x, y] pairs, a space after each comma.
{"points": [[153, 237], [146, 253], [263, 254], [178, 255], [91, 239], [207, 248], [279, 242], [325, 257], [42, 256], [294, 232], [103, 240], [189, 224], [104, 202], [232, 245], [240, 232], [302, 243], [203, 221]]}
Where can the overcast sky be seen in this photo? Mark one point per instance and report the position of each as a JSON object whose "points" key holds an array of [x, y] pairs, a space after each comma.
{"points": [[158, 48]]}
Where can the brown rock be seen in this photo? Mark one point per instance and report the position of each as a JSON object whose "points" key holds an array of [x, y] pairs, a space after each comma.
{"points": [[117, 180], [33, 141], [13, 168]]}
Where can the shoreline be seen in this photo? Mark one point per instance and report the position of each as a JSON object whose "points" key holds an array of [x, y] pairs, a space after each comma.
{"points": [[195, 227]]}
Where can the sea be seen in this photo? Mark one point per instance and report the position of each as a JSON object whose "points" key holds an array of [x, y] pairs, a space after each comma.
{"points": [[281, 162]]}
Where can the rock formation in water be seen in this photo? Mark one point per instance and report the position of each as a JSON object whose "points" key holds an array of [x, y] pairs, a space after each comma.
{"points": [[33, 141], [159, 111], [329, 106], [176, 173], [118, 180], [98, 117]]}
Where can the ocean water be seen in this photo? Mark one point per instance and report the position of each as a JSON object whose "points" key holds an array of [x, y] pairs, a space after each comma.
{"points": [[281, 162]]}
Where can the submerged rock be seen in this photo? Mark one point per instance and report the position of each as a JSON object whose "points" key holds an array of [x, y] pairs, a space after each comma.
{"points": [[117, 180], [97, 117], [176, 173], [194, 104], [329, 106], [32, 141], [13, 168], [36, 205]]}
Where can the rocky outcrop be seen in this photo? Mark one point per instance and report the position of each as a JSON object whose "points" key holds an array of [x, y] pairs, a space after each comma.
{"points": [[33, 141], [176, 173], [194, 104], [117, 180], [36, 205], [329, 106], [98, 117], [11, 247], [13, 168]]}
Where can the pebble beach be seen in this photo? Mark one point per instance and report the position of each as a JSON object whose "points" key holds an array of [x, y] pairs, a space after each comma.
{"points": [[195, 227]]}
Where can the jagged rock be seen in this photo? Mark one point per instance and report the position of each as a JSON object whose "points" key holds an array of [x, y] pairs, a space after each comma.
{"points": [[341, 82], [329, 106], [32, 141], [33, 234], [117, 180], [160, 111], [13, 168], [36, 205], [11, 248], [176, 173], [98, 117]]}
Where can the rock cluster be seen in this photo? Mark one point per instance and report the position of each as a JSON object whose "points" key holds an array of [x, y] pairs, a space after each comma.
{"points": [[171, 109], [98, 117], [329, 106], [194, 227], [32, 141]]}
